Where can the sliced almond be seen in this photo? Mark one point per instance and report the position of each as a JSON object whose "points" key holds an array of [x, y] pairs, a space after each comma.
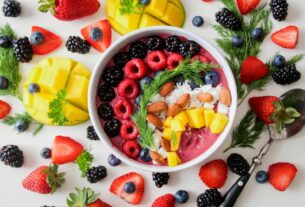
{"points": [[184, 100], [165, 144], [173, 110], [167, 88], [157, 107], [155, 156], [205, 97], [225, 96], [155, 120]]}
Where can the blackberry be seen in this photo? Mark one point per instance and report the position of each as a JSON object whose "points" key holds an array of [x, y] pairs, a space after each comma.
{"points": [[96, 174], [238, 164], [112, 127], [91, 134], [172, 43], [113, 75], [121, 59], [228, 19], [105, 111], [11, 155], [160, 179], [23, 49], [138, 49], [106, 93], [210, 198], [5, 41], [76, 44], [155, 43], [286, 75], [11, 8], [279, 9], [189, 48]]}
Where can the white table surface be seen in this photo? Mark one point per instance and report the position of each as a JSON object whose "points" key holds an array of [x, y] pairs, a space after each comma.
{"points": [[12, 193]]}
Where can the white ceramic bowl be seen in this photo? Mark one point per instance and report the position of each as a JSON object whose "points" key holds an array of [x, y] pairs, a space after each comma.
{"points": [[116, 47]]}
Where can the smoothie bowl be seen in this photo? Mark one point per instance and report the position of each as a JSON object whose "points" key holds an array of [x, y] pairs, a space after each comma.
{"points": [[162, 99]]}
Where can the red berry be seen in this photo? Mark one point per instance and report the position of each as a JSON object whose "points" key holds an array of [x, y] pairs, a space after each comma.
{"points": [[5, 109], [287, 37], [129, 131], [157, 60], [253, 69], [214, 174], [135, 69], [247, 6], [167, 200], [202, 58], [173, 60], [132, 149], [281, 175], [128, 89], [122, 108]]}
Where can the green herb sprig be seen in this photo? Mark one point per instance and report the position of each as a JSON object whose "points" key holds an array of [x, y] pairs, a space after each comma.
{"points": [[84, 162], [130, 7], [56, 108]]}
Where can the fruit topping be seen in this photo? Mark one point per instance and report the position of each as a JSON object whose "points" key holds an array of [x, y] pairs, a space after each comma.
{"points": [[121, 59], [160, 179], [132, 149], [95, 174], [189, 48], [258, 34], [196, 117], [261, 176], [155, 43], [228, 19], [156, 60], [113, 160], [172, 43], [281, 175], [247, 6], [135, 69], [138, 49], [279, 9], [128, 89], [91, 134], [117, 187], [144, 155], [167, 200], [129, 131], [210, 197], [122, 108], [237, 41], [112, 127], [211, 77], [253, 69], [145, 81], [5, 109], [219, 123], [4, 83], [23, 49], [286, 75], [198, 21], [238, 164], [45, 153], [106, 93], [287, 37], [76, 44], [11, 155], [182, 196], [279, 61], [11, 8], [5, 41], [105, 111], [173, 60], [173, 159], [113, 75], [85, 197], [214, 173], [98, 35]]}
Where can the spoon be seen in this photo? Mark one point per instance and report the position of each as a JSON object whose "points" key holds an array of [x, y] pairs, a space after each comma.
{"points": [[294, 98]]}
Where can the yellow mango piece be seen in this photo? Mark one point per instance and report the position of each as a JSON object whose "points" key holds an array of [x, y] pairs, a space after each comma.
{"points": [[128, 21], [39, 116], [156, 7], [111, 8], [64, 63], [172, 159], [219, 123], [167, 134], [148, 20], [167, 122], [74, 114], [172, 16], [28, 99], [182, 117], [177, 126], [196, 117], [177, 3], [179, 160], [33, 76], [208, 117], [42, 101], [53, 79], [46, 62], [80, 69], [176, 144], [118, 27]]}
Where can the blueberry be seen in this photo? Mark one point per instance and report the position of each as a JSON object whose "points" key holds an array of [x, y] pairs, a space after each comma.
{"points": [[3, 82], [182, 196], [37, 38], [238, 41], [145, 81], [193, 84], [45, 153], [211, 77], [129, 187], [279, 61], [145, 2], [33, 88], [257, 34], [5, 41], [113, 160], [138, 100], [96, 34], [198, 21], [144, 155], [179, 79], [261, 176], [21, 125]]}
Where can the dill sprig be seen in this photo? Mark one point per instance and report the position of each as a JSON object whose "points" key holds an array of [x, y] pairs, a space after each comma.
{"points": [[56, 108], [130, 7], [84, 162], [189, 70], [9, 65]]}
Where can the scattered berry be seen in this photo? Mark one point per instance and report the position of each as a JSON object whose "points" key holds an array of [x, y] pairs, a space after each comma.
{"points": [[113, 160], [189, 48], [287, 37], [112, 127], [279, 9], [129, 187], [247, 6], [211, 77], [198, 21], [11, 8], [129, 131], [121, 59], [122, 108], [257, 34], [155, 43], [160, 179], [238, 41], [281, 175], [5, 41], [261, 176], [128, 89], [156, 60], [76, 44], [23, 49], [21, 125], [106, 93], [145, 2], [33, 88], [145, 81], [105, 111], [96, 34], [135, 69], [131, 149], [11, 155], [182, 196], [167, 200], [5, 109], [286, 75], [253, 69], [279, 61], [36, 38], [210, 198], [45, 153], [138, 49], [4, 83], [238, 164], [173, 60], [172, 43], [91, 133], [228, 19], [96, 174], [113, 75], [214, 173]]}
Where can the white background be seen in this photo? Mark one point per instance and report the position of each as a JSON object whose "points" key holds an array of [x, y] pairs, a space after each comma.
{"points": [[12, 193]]}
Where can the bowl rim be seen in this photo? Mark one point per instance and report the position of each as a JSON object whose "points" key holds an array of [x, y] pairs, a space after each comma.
{"points": [[138, 34]]}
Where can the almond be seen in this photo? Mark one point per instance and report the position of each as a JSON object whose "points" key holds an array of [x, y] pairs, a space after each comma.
{"points": [[155, 156], [225, 96], [205, 97], [173, 110], [157, 107], [155, 120], [167, 88], [165, 144], [184, 100]]}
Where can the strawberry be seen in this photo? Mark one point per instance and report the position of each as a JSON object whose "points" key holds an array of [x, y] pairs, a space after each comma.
{"points": [[252, 69], [50, 43], [287, 37], [65, 149], [44, 180], [68, 10], [85, 198], [167, 200], [117, 187], [214, 174], [5, 109], [281, 175], [98, 203], [247, 6], [98, 35]]}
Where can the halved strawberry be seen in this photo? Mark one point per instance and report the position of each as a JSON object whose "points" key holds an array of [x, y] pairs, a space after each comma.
{"points": [[253, 69], [281, 175], [86, 198], [65, 149], [117, 187], [167, 200], [98, 35], [287, 37], [247, 6], [5, 109], [51, 41], [214, 174]]}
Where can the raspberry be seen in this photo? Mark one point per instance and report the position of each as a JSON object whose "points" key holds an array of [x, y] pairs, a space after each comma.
{"points": [[202, 58], [157, 60], [173, 60], [135, 69], [122, 108], [129, 131], [131, 149], [128, 89]]}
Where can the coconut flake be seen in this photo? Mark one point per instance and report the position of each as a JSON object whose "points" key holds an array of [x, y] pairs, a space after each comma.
{"points": [[222, 109]]}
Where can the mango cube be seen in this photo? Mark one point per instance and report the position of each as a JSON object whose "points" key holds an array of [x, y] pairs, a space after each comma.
{"points": [[81, 70], [172, 159], [33, 76], [208, 117], [64, 63], [53, 79], [219, 123], [167, 122], [156, 7], [74, 114], [148, 20], [167, 134], [182, 117], [42, 100], [177, 126], [171, 15], [196, 118], [175, 144]]}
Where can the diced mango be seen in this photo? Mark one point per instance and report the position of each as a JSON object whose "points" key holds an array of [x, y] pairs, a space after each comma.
{"points": [[40, 116], [64, 63], [74, 114], [148, 20], [111, 8], [171, 16], [182, 116], [196, 117], [167, 134], [118, 27], [53, 79], [172, 159], [167, 122], [46, 62], [219, 123], [28, 99], [42, 101], [208, 117], [175, 144], [128, 21], [177, 126], [156, 7], [80, 69], [33, 76], [179, 160]]}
